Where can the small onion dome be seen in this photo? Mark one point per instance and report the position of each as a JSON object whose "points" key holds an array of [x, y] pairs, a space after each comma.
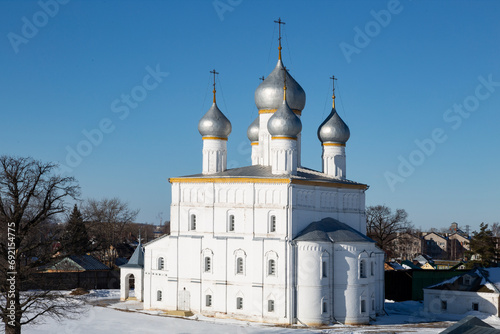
{"points": [[284, 122], [214, 123], [333, 129], [253, 130], [269, 94]]}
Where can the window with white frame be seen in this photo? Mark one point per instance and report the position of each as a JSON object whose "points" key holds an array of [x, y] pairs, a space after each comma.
{"points": [[372, 268], [272, 224], [270, 305], [239, 303], [161, 263], [208, 300], [192, 222], [230, 223], [239, 266], [158, 295], [363, 306], [324, 306], [324, 268], [271, 267], [373, 304], [208, 263]]}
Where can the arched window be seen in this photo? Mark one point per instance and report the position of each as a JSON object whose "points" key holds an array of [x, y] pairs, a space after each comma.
{"points": [[239, 265], [161, 263], [208, 264], [208, 300], [325, 259], [158, 295], [372, 268], [324, 305], [271, 267], [363, 306], [239, 303], [272, 224], [230, 223], [192, 222], [270, 305], [362, 268]]}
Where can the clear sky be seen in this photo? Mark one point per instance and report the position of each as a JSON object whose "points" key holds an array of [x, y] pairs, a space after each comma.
{"points": [[114, 90]]}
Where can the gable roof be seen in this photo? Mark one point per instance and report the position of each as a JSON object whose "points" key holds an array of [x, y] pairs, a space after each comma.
{"points": [[470, 325], [77, 263], [436, 234], [331, 230], [483, 280], [137, 259]]}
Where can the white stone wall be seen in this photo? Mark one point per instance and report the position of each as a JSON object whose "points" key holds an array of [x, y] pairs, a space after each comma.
{"points": [[184, 283], [313, 203], [459, 302]]}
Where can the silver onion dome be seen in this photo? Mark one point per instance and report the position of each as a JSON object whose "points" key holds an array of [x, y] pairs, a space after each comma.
{"points": [[214, 123], [284, 122], [269, 94], [253, 130], [333, 129]]}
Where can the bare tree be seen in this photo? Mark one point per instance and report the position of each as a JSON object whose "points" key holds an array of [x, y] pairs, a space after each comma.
{"points": [[495, 228], [383, 226], [31, 196], [107, 219]]}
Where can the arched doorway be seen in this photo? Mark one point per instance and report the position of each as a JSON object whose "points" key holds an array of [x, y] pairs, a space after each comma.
{"points": [[129, 286]]}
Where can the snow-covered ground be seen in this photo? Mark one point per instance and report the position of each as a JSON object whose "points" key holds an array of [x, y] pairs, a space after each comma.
{"points": [[106, 314]]}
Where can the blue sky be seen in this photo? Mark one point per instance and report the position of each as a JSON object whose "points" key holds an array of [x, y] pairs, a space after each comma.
{"points": [[418, 85]]}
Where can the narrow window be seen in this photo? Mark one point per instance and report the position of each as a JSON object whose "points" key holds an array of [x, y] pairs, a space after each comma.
{"points": [[192, 223], [239, 265], [270, 305], [475, 306], [444, 305], [161, 263], [208, 263], [362, 269], [272, 224], [272, 268], [324, 307], [372, 268], [158, 295], [363, 306], [230, 225], [208, 300], [324, 269], [373, 304], [239, 303]]}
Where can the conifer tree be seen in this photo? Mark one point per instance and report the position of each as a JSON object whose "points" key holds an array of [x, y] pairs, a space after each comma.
{"points": [[482, 245], [76, 240]]}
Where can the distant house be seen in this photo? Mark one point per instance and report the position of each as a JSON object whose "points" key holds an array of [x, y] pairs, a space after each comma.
{"points": [[77, 263], [476, 290], [436, 245], [393, 266], [458, 245], [75, 271], [406, 246]]}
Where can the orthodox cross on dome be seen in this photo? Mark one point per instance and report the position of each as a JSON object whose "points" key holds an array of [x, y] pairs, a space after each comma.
{"points": [[262, 78], [279, 39], [333, 95], [139, 239], [214, 73]]}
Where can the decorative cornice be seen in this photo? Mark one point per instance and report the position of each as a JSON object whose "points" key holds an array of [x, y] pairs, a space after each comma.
{"points": [[333, 144], [214, 138]]}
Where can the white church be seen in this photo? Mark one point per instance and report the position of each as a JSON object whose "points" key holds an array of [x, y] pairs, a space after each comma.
{"points": [[273, 242]]}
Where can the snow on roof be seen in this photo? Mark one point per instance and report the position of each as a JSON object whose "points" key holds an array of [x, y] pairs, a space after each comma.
{"points": [[490, 278]]}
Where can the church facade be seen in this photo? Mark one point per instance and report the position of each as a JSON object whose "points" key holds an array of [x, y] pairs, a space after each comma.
{"points": [[272, 242]]}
